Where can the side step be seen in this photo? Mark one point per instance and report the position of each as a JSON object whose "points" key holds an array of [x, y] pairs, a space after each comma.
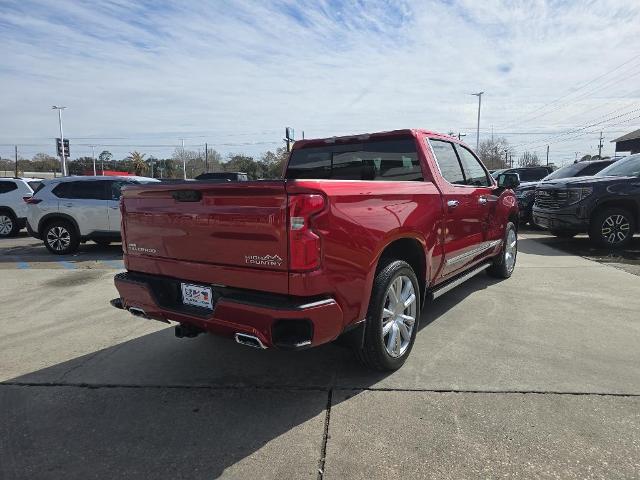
{"points": [[453, 283]]}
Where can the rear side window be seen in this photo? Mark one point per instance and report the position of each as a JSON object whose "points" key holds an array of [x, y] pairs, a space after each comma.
{"points": [[474, 172], [593, 168], [82, 190], [393, 160], [35, 185], [532, 174], [7, 186], [447, 161]]}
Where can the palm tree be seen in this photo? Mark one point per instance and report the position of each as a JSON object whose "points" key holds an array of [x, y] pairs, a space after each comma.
{"points": [[137, 162]]}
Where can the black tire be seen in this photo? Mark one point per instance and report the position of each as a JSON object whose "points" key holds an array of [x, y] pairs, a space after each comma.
{"points": [[102, 243], [618, 221], [563, 233], [8, 224], [502, 266], [60, 237], [373, 353]]}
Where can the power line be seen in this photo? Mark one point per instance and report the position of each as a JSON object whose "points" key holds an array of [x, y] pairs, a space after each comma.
{"points": [[528, 115]]}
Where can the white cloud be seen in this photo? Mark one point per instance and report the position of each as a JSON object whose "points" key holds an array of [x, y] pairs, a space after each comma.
{"points": [[238, 72]]}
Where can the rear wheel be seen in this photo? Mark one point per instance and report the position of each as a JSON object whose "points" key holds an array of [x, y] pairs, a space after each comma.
{"points": [[612, 227], [61, 238], [8, 225], [504, 264], [392, 317]]}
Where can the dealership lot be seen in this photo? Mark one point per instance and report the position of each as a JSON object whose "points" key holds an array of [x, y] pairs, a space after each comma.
{"points": [[538, 375]]}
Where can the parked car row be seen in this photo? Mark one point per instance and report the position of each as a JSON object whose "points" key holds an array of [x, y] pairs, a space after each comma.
{"points": [[606, 205], [13, 209]]}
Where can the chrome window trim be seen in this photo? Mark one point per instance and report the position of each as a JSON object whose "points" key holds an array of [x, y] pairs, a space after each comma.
{"points": [[433, 154]]}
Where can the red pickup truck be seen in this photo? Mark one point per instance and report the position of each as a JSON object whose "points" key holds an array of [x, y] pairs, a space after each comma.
{"points": [[360, 233]]}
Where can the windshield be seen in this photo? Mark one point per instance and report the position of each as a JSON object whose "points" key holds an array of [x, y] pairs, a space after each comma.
{"points": [[498, 172], [629, 167], [565, 172]]}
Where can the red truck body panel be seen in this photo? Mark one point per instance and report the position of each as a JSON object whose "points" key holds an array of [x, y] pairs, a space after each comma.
{"points": [[235, 236]]}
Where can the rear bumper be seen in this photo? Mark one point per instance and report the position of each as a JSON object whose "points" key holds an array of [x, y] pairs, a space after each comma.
{"points": [[277, 320]]}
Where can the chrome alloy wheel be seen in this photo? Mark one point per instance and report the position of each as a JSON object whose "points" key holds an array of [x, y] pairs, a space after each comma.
{"points": [[58, 238], [398, 316], [511, 250], [6, 225], [615, 228]]}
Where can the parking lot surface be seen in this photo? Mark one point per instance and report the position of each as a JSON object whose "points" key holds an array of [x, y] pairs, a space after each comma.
{"points": [[535, 376]]}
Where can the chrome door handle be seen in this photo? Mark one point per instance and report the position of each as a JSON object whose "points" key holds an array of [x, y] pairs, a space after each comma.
{"points": [[68, 204], [114, 208], [452, 203], [482, 200]]}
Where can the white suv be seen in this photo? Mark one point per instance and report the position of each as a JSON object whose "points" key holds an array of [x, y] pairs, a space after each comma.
{"points": [[13, 209], [70, 210]]}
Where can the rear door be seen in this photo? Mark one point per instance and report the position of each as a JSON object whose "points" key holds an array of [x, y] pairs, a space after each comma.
{"points": [[114, 191], [465, 202], [87, 202]]}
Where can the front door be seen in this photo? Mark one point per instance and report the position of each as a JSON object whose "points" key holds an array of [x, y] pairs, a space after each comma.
{"points": [[466, 198]]}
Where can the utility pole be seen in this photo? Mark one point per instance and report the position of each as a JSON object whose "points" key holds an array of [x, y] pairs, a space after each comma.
{"points": [[479, 95], [206, 157], [93, 156], [16, 146], [600, 146], [184, 161], [547, 155], [63, 160], [506, 157]]}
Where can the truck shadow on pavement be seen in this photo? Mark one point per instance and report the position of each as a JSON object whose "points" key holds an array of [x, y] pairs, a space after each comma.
{"points": [[159, 407]]}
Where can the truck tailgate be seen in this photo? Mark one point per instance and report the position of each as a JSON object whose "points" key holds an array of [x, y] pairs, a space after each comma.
{"points": [[205, 230]]}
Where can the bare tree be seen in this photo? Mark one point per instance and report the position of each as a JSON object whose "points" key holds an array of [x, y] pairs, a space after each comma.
{"points": [[529, 159], [492, 153]]}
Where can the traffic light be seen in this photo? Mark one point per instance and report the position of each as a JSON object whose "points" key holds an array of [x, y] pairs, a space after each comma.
{"points": [[59, 147]]}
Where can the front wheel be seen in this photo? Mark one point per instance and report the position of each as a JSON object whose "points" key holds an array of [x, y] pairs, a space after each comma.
{"points": [[612, 227], [392, 317], [504, 264]]}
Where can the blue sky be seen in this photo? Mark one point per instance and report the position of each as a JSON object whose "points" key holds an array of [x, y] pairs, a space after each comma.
{"points": [[144, 75]]}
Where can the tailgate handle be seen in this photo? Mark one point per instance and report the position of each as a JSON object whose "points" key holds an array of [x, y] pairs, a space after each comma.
{"points": [[187, 195]]}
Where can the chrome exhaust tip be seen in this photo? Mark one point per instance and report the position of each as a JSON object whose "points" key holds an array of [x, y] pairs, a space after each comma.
{"points": [[249, 340], [137, 312]]}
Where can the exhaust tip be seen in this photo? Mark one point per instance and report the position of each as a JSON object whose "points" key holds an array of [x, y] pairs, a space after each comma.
{"points": [[249, 340], [137, 312], [117, 303]]}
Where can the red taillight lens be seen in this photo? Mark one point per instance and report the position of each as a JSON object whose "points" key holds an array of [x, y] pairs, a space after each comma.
{"points": [[31, 200], [304, 244]]}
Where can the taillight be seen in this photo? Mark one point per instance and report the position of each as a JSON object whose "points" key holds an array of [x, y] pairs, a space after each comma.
{"points": [[304, 244], [31, 200]]}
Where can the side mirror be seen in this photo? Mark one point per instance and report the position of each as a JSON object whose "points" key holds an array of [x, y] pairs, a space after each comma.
{"points": [[508, 180]]}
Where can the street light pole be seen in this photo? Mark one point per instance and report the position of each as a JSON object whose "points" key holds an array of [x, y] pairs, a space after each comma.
{"points": [[184, 161], [479, 95], [93, 156], [63, 160]]}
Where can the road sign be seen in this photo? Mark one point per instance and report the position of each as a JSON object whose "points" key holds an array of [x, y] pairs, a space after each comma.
{"points": [[59, 147]]}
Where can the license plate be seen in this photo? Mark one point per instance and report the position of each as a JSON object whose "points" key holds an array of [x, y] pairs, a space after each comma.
{"points": [[197, 295]]}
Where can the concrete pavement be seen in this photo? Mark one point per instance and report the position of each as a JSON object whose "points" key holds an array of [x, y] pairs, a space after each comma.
{"points": [[92, 392]]}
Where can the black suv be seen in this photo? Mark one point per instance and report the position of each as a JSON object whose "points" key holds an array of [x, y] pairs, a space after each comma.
{"points": [[525, 193], [607, 206], [526, 174]]}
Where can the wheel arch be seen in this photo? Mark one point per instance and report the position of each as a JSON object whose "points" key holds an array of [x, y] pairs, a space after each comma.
{"points": [[45, 220], [9, 210], [411, 250], [626, 203]]}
